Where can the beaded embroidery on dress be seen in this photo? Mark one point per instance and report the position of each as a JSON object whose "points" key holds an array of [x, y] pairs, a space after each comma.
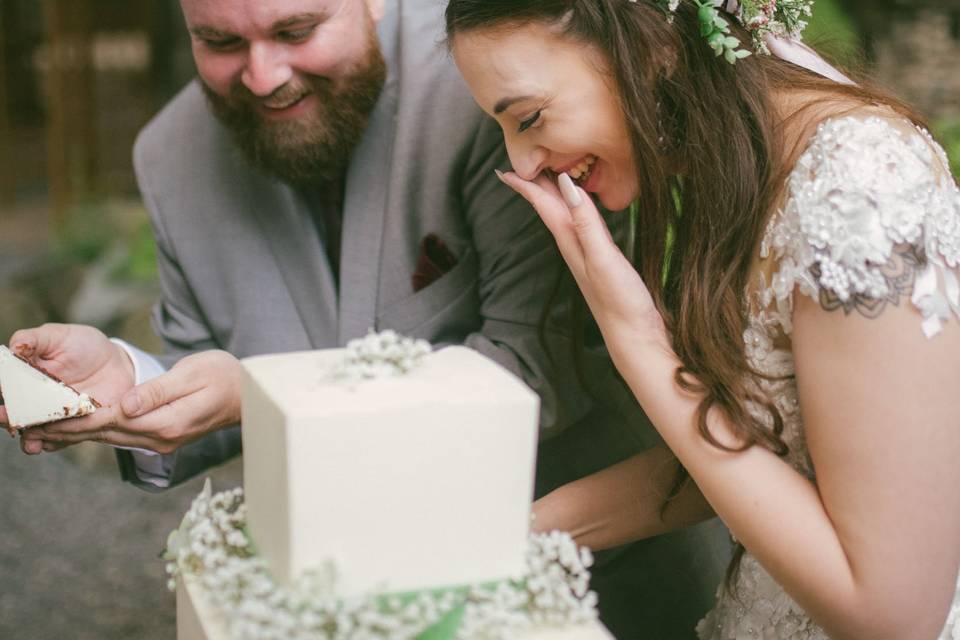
{"points": [[866, 192]]}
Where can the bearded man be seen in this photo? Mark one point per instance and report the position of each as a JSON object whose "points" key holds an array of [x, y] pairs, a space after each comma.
{"points": [[329, 173]]}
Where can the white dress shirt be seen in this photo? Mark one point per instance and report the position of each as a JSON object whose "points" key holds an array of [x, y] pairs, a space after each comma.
{"points": [[151, 466]]}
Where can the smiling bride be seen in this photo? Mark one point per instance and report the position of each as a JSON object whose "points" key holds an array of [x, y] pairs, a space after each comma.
{"points": [[789, 320]]}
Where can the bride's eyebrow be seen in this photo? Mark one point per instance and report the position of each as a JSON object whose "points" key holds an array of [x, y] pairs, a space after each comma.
{"points": [[505, 103]]}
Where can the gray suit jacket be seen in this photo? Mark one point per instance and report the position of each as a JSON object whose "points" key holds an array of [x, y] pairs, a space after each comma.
{"points": [[242, 265]]}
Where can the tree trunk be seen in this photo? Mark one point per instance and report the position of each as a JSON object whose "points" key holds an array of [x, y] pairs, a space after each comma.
{"points": [[71, 122]]}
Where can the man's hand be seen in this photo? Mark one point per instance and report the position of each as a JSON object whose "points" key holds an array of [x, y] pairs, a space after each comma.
{"points": [[200, 394], [81, 356]]}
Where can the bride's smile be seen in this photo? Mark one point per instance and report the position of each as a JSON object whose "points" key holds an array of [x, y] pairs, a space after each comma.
{"points": [[556, 106]]}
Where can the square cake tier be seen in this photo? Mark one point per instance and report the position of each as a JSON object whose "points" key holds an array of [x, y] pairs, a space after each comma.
{"points": [[416, 481]]}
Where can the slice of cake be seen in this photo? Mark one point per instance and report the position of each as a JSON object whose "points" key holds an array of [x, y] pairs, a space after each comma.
{"points": [[387, 495], [33, 396]]}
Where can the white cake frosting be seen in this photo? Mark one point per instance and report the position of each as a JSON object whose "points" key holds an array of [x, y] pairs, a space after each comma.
{"points": [[368, 477], [393, 477], [32, 397]]}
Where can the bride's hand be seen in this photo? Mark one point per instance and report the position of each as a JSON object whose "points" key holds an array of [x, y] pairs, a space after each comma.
{"points": [[617, 296]]}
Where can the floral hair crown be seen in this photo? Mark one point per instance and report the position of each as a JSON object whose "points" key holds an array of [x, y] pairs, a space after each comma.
{"points": [[763, 18]]}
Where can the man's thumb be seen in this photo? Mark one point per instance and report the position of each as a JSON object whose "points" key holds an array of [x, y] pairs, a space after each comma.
{"points": [[131, 403], [24, 343], [153, 394]]}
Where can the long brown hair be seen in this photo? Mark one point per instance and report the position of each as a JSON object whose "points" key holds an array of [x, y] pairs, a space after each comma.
{"points": [[713, 155]]}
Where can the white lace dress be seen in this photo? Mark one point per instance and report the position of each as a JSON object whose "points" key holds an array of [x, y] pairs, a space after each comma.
{"points": [[866, 187]]}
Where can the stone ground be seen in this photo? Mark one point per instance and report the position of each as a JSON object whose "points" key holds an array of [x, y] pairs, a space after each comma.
{"points": [[79, 549]]}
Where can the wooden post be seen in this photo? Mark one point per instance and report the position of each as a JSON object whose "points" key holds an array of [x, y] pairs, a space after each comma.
{"points": [[71, 125], [83, 120], [58, 139], [7, 179]]}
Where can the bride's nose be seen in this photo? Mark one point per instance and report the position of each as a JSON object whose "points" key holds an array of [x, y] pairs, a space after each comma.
{"points": [[528, 160]]}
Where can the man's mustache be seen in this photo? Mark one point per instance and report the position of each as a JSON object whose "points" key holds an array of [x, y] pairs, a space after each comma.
{"points": [[290, 92]]}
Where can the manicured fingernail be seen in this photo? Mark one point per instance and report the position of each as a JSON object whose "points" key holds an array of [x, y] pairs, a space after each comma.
{"points": [[131, 404], [499, 175], [569, 191]]}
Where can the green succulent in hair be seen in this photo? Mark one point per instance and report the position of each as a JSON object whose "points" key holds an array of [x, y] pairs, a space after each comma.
{"points": [[716, 29]]}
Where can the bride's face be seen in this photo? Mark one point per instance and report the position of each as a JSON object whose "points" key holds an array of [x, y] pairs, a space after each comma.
{"points": [[556, 104]]}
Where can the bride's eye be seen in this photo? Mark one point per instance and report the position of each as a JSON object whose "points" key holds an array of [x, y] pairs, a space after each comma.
{"points": [[529, 122]]}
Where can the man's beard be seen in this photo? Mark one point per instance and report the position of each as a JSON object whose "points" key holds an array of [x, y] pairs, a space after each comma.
{"points": [[313, 149]]}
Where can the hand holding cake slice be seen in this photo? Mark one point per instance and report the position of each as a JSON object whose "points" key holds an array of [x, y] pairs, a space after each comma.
{"points": [[33, 396]]}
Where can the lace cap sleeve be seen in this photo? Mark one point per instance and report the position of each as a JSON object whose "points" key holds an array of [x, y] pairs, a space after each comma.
{"points": [[871, 213]]}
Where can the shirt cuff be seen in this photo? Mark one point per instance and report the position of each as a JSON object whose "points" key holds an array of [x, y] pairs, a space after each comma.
{"points": [[150, 466]]}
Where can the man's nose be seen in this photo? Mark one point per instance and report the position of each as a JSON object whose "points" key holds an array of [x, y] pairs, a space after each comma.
{"points": [[266, 70]]}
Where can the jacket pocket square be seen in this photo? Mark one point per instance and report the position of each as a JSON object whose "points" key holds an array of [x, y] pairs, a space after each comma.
{"points": [[434, 261]]}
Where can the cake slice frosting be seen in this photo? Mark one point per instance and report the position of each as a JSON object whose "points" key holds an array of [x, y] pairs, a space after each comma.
{"points": [[33, 396]]}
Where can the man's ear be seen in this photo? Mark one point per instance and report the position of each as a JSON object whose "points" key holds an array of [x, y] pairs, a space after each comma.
{"points": [[376, 9]]}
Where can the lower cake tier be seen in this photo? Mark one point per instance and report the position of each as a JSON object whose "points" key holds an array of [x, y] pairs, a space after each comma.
{"points": [[197, 620]]}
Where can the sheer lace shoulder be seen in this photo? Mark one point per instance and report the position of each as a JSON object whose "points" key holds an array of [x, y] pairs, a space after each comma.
{"points": [[871, 214], [871, 217]]}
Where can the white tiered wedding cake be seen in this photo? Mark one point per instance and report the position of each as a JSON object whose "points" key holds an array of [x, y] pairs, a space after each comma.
{"points": [[387, 495]]}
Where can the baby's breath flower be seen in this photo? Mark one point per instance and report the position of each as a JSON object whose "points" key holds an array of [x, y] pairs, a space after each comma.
{"points": [[208, 548], [381, 355]]}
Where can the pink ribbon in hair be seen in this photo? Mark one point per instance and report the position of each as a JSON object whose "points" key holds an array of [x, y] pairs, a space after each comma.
{"points": [[791, 50]]}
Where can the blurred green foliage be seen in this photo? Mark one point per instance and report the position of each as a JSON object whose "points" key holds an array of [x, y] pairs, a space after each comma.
{"points": [[830, 20], [94, 233], [86, 236], [140, 262], [947, 131], [833, 32]]}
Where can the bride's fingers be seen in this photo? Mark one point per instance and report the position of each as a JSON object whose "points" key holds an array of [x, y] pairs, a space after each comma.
{"points": [[538, 193], [591, 230], [548, 182], [546, 200]]}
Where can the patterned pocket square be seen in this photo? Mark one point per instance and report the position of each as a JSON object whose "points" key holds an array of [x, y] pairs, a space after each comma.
{"points": [[434, 261]]}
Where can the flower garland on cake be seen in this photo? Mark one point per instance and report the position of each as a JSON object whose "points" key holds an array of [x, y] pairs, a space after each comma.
{"points": [[212, 548]]}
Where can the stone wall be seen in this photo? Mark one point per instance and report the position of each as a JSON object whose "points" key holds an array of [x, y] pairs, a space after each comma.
{"points": [[915, 48]]}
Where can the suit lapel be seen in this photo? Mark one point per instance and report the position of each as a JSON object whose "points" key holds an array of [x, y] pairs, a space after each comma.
{"points": [[296, 246], [366, 196]]}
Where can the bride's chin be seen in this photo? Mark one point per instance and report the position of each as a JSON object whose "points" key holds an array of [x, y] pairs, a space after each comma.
{"points": [[615, 202]]}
